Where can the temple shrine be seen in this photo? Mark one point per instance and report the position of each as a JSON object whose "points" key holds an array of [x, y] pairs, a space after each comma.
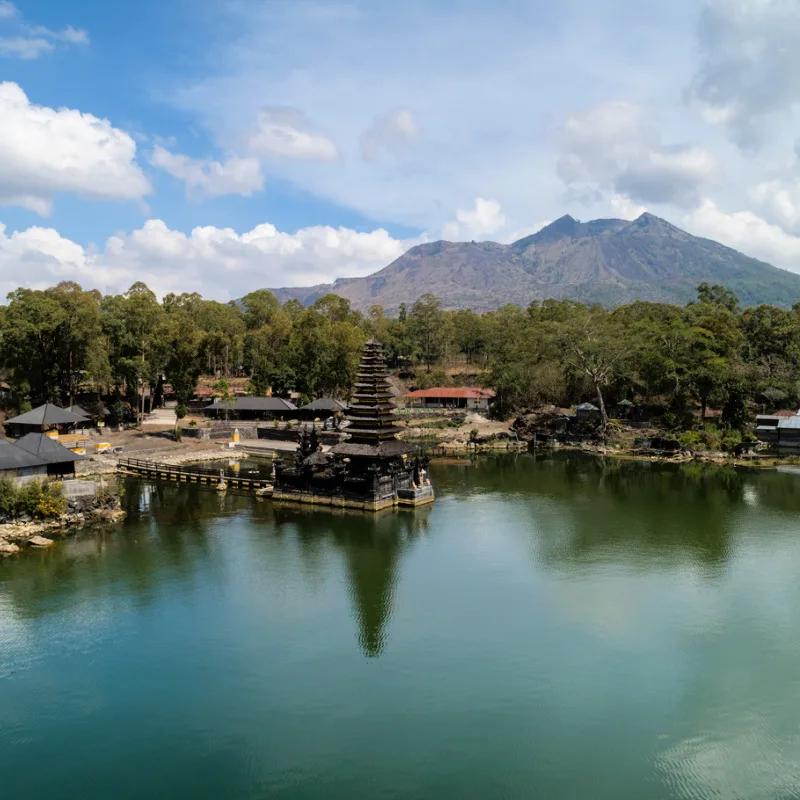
{"points": [[371, 470]]}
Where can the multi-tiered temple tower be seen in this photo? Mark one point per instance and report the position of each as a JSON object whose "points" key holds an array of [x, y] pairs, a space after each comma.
{"points": [[373, 469]]}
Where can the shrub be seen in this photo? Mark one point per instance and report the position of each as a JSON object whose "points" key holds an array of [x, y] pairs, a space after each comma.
{"points": [[192, 423], [9, 496], [731, 439], [42, 499]]}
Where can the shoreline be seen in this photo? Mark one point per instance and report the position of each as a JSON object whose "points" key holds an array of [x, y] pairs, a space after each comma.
{"points": [[763, 462], [18, 535], [89, 510]]}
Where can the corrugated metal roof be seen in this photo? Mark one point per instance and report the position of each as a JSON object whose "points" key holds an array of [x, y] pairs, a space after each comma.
{"points": [[587, 407], [789, 423], [457, 393]]}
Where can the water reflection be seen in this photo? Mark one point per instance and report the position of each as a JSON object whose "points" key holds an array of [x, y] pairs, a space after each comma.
{"points": [[639, 615], [169, 537], [588, 509], [373, 547]]}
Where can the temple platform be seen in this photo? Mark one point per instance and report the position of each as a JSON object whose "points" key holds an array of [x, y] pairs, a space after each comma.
{"points": [[405, 499]]}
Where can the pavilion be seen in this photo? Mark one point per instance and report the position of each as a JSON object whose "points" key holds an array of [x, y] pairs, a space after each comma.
{"points": [[59, 459], [43, 418]]}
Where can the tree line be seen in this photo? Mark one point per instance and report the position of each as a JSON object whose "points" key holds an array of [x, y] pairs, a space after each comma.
{"points": [[63, 342]]}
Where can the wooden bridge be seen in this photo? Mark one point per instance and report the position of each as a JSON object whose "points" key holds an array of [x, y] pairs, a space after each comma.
{"points": [[189, 474]]}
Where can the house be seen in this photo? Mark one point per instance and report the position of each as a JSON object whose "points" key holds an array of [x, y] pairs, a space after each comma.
{"points": [[43, 418], [767, 426], [586, 412], [789, 431], [252, 408], [324, 408], [58, 459], [18, 463], [466, 397]]}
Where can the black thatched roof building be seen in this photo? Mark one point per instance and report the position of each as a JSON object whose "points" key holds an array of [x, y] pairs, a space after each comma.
{"points": [[42, 418], [252, 408], [59, 459], [18, 462], [324, 408]]}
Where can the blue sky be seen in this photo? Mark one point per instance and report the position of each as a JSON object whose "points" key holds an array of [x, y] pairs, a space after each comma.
{"points": [[229, 145]]}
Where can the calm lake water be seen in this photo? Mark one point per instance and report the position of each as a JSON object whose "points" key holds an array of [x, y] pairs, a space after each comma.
{"points": [[553, 628]]}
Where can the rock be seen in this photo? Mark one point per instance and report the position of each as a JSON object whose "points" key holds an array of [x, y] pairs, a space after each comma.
{"points": [[7, 548], [40, 541]]}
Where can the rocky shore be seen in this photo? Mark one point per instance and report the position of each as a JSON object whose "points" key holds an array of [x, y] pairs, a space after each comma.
{"points": [[101, 506]]}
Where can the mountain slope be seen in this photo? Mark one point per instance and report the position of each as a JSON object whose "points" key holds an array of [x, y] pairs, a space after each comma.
{"points": [[606, 261]]}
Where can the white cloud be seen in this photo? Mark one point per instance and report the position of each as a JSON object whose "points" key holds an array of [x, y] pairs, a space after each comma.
{"points": [[30, 41], [286, 133], [26, 48], [488, 96], [747, 232], [617, 147], [749, 65], [44, 151], [218, 262], [389, 131], [624, 208], [483, 219], [211, 178], [779, 201]]}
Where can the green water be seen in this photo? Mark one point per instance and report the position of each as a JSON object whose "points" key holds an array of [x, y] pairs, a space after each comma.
{"points": [[548, 629]]}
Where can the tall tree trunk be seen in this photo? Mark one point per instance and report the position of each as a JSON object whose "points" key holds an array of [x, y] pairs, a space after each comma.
{"points": [[603, 415]]}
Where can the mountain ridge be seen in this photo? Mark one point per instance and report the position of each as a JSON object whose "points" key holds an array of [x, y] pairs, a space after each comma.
{"points": [[608, 261]]}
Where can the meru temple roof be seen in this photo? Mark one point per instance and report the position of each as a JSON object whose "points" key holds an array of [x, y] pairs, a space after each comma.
{"points": [[373, 432]]}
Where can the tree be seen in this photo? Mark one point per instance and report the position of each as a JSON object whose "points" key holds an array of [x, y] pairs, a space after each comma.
{"points": [[31, 339], [718, 296], [426, 329], [178, 341], [260, 309], [226, 397], [594, 347], [129, 322]]}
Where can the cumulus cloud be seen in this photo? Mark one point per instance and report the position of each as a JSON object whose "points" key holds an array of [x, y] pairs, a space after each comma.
{"points": [[21, 40], [483, 219], [286, 133], [218, 262], [210, 178], [750, 64], [44, 151], [616, 147], [623, 208], [389, 131], [779, 201], [747, 232]]}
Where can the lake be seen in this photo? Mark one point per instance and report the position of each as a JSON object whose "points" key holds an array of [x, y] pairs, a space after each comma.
{"points": [[557, 627]]}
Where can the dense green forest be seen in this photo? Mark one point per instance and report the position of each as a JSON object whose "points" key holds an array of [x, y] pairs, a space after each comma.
{"points": [[64, 343]]}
